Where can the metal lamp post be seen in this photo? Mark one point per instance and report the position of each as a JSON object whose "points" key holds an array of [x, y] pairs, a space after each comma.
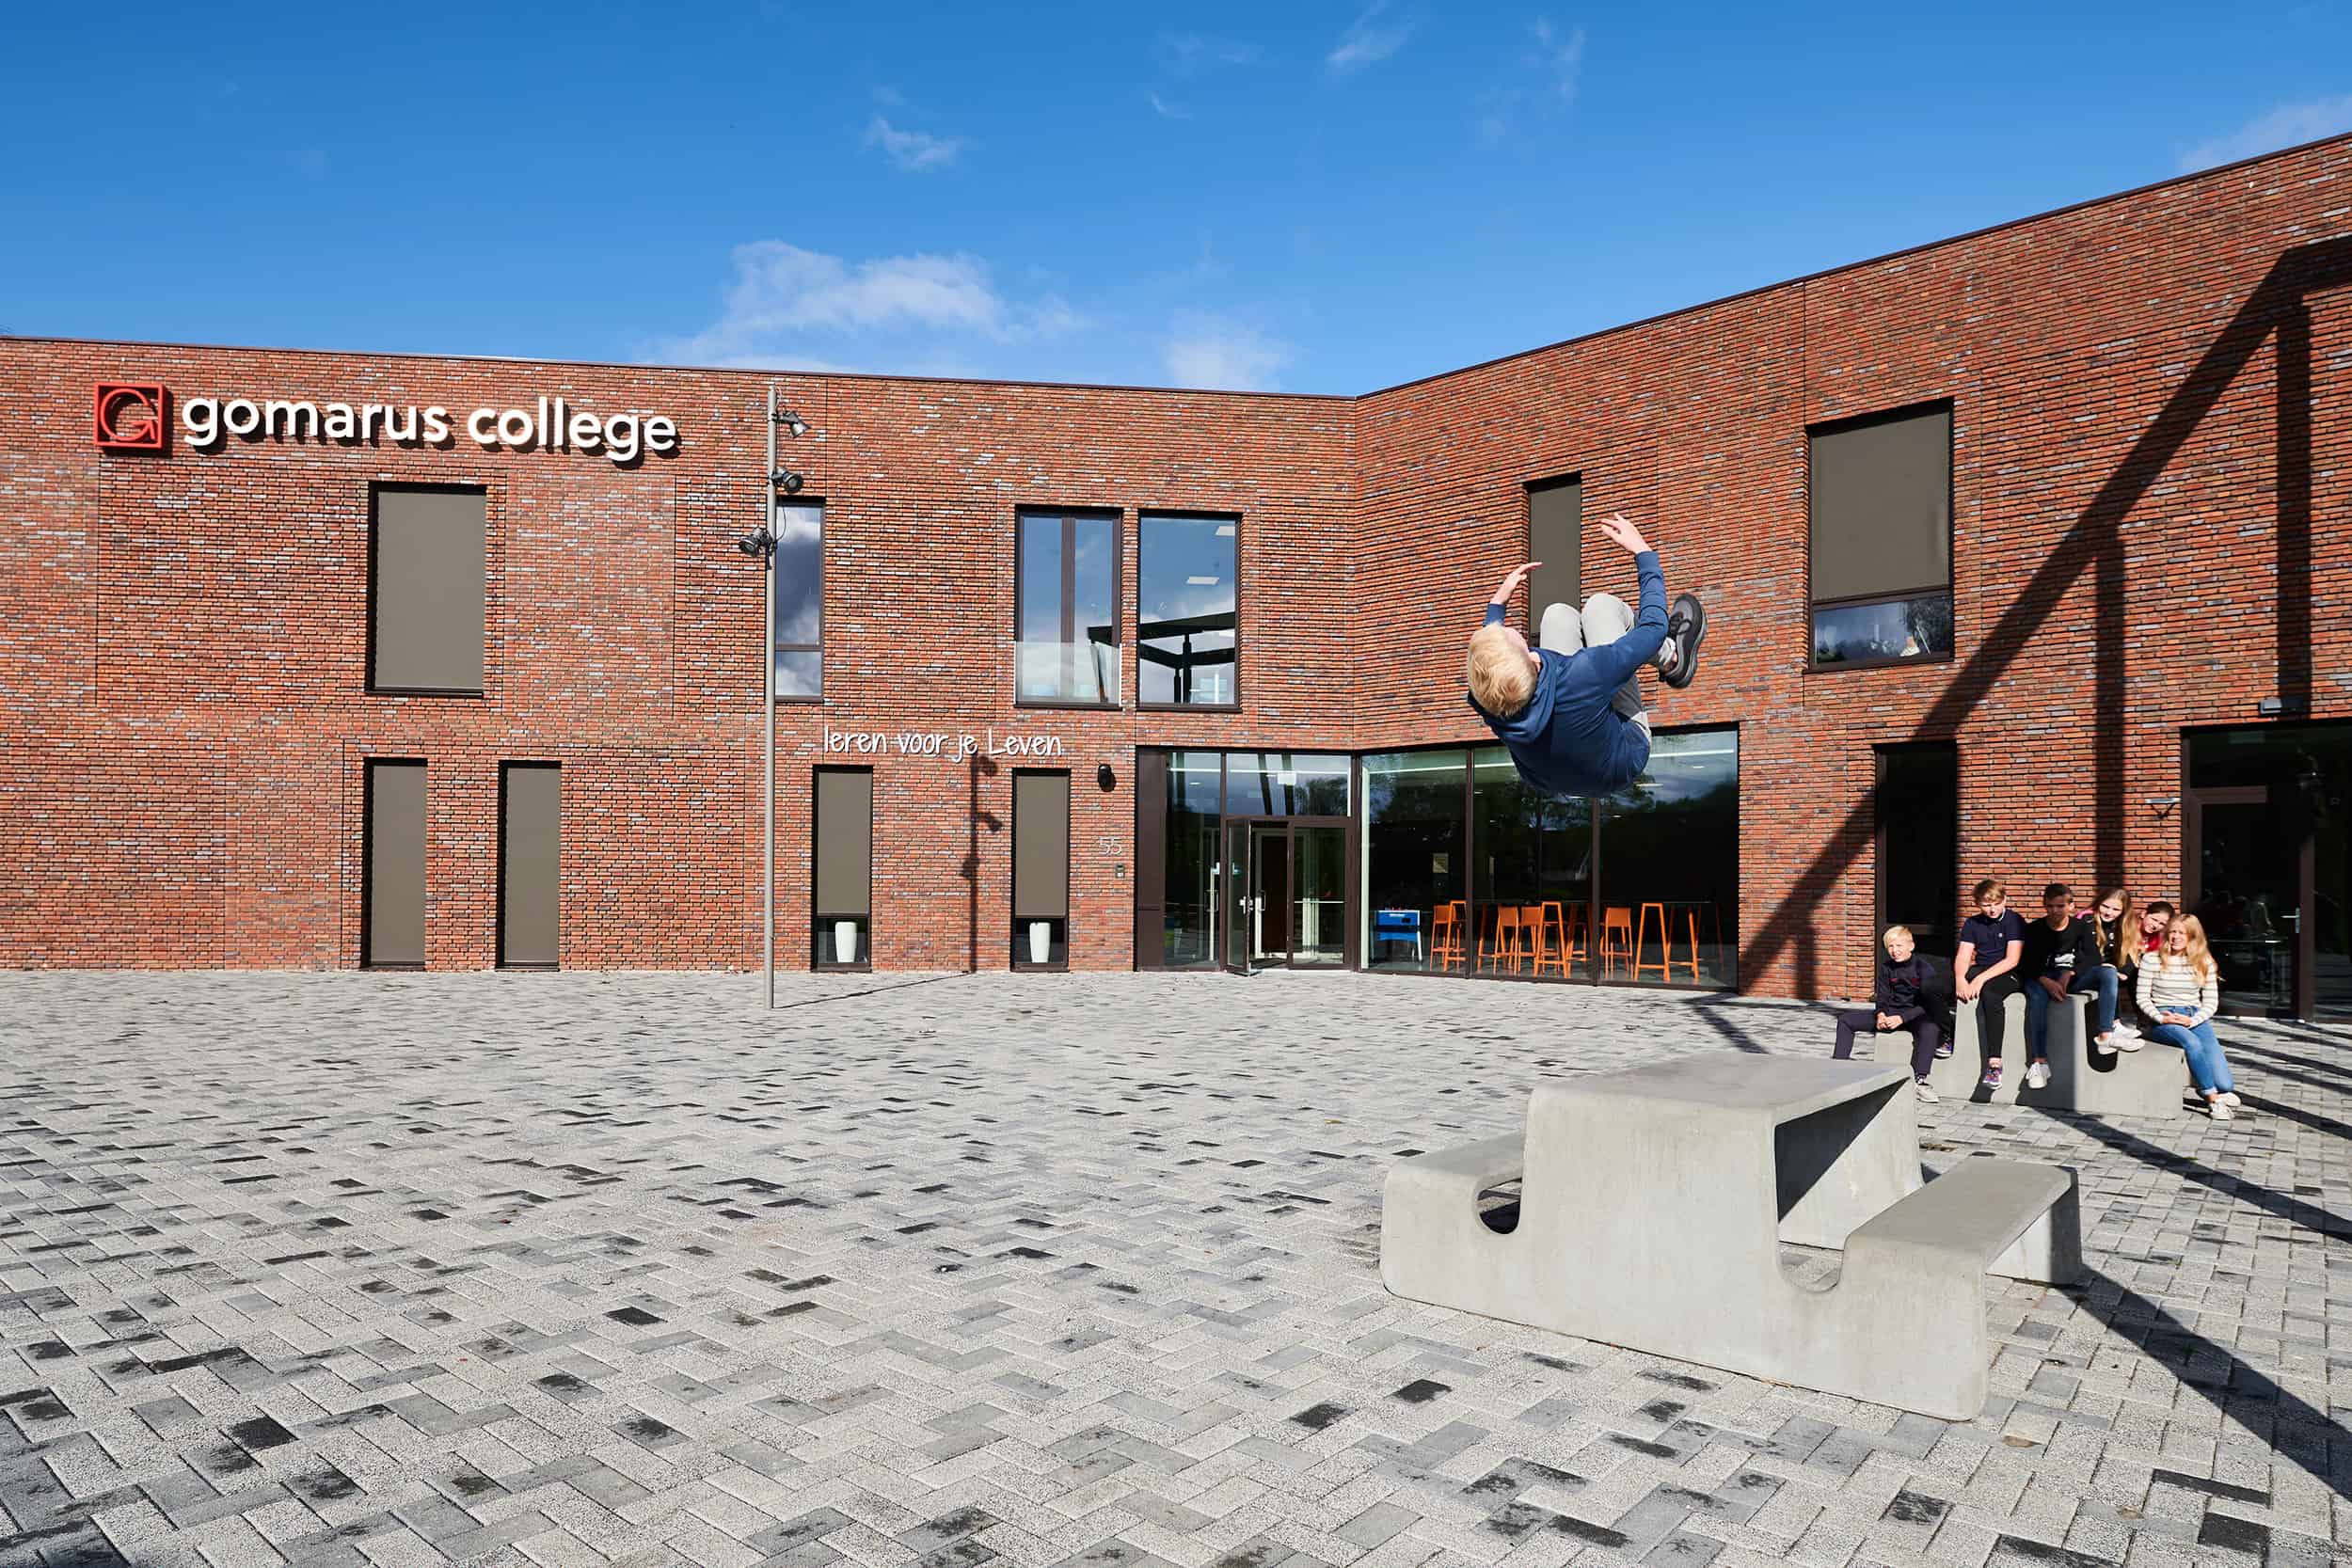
{"points": [[763, 545]]}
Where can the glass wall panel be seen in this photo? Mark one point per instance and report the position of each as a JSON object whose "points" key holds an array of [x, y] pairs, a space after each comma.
{"points": [[1184, 609], [1414, 818], [1670, 866], [1319, 891], [1286, 784], [1192, 861], [800, 568], [1534, 859]]}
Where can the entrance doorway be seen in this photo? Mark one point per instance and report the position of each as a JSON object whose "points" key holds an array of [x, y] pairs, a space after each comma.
{"points": [[2268, 864], [1917, 812], [1287, 904]]}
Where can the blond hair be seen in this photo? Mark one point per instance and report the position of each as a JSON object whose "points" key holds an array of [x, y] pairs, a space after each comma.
{"points": [[2128, 940], [2198, 951], [1502, 677], [1902, 932]]}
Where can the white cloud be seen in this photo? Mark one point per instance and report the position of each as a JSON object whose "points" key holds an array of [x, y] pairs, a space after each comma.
{"points": [[1554, 63], [781, 295], [1212, 352], [1365, 43], [2288, 125], [912, 150], [1187, 53], [1165, 109], [1559, 58]]}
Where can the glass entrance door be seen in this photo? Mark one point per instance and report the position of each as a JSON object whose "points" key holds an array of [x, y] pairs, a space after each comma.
{"points": [[1270, 908], [2247, 885], [1238, 896], [1287, 886]]}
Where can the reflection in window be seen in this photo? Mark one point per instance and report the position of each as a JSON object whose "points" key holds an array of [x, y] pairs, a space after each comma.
{"points": [[1189, 939], [1413, 821], [1534, 859], [1670, 865], [1067, 630], [1919, 627], [800, 569], [1286, 784], [1184, 613]]}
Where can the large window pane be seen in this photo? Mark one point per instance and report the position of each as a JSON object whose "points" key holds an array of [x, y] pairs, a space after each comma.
{"points": [[1286, 784], [1192, 859], [1067, 630], [800, 568], [1555, 536], [1534, 857], [1414, 820], [1918, 628], [1184, 612], [1879, 498], [1670, 863], [427, 588]]}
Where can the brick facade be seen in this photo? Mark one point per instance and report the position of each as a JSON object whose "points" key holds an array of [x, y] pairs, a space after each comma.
{"points": [[2152, 458]]}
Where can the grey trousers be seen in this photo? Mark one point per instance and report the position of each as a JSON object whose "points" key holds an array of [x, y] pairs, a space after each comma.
{"points": [[1606, 618]]}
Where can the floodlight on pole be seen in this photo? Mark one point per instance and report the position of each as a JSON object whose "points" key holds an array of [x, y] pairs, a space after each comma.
{"points": [[765, 546]]}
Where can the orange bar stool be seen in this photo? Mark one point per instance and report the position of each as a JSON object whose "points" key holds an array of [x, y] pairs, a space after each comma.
{"points": [[1665, 946], [1501, 944], [1616, 937], [1445, 935], [1690, 917], [1552, 939]]}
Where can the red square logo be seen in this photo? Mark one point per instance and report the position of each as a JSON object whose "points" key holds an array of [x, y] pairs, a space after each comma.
{"points": [[128, 416]]}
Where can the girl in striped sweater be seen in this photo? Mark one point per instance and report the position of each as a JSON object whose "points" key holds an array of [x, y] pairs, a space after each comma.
{"points": [[2180, 990]]}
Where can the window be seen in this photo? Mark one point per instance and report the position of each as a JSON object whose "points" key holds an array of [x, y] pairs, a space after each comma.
{"points": [[1185, 611], [1880, 504], [391, 921], [1179, 800], [1416, 818], [1534, 858], [1555, 536], [1066, 633], [530, 861], [800, 569], [1285, 784], [841, 900], [427, 587], [1040, 870], [1670, 866]]}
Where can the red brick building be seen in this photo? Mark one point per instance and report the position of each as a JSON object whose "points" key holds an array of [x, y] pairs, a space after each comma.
{"points": [[2018, 549]]}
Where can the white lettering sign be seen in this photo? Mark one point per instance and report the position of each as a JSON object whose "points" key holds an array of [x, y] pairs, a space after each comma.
{"points": [[552, 425], [941, 743]]}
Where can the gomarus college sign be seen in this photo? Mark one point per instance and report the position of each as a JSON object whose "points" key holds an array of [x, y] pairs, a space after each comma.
{"points": [[134, 417]]}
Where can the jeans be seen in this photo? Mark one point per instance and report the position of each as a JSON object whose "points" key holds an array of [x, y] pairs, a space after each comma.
{"points": [[1925, 1033], [2099, 977], [2205, 1062], [1606, 618]]}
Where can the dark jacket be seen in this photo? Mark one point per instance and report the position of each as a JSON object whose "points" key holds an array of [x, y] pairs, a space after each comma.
{"points": [[1568, 740], [1907, 990], [2059, 954]]}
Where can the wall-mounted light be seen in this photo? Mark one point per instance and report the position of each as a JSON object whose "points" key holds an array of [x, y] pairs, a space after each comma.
{"points": [[2164, 804], [2280, 708], [1105, 779]]}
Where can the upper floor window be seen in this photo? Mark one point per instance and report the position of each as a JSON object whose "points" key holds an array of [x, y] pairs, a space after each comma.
{"points": [[1066, 631], [1185, 611], [427, 589], [1881, 502], [1555, 536], [800, 569]]}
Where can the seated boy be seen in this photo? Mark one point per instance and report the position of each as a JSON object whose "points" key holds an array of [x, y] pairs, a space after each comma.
{"points": [[1984, 971], [1571, 710], [2062, 957], [1906, 1000]]}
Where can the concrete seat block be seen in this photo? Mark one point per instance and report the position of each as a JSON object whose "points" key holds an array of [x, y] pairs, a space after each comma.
{"points": [[2146, 1083], [1654, 1204]]}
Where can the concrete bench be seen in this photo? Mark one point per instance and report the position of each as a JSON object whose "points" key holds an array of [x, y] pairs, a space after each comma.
{"points": [[2144, 1083], [1654, 1203]]}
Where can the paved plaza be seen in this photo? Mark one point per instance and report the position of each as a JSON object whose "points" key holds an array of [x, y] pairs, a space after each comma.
{"points": [[579, 1269]]}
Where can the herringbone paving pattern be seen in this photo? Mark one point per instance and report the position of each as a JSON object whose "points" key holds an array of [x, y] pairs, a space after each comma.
{"points": [[582, 1269]]}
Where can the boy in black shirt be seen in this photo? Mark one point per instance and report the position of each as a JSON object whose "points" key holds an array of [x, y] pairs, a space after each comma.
{"points": [[1984, 971], [2062, 957], [1903, 1002]]}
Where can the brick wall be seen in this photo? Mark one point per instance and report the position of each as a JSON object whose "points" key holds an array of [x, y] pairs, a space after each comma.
{"points": [[183, 637]]}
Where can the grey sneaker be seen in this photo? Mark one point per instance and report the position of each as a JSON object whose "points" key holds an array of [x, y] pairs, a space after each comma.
{"points": [[2230, 1098], [1686, 622], [1925, 1090], [2218, 1110], [2038, 1075]]}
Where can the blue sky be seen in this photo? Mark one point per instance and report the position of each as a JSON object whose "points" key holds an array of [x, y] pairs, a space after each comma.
{"points": [[1309, 197]]}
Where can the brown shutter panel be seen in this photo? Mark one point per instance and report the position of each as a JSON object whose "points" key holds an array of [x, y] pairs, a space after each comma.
{"points": [[393, 933], [426, 601], [845, 841], [530, 871], [1881, 507], [1041, 846], [1555, 536]]}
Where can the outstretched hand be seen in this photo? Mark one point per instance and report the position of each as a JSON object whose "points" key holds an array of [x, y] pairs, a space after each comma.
{"points": [[1511, 583], [1623, 535]]}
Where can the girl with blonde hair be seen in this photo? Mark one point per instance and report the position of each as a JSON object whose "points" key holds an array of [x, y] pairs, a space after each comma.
{"points": [[2180, 991], [2115, 930]]}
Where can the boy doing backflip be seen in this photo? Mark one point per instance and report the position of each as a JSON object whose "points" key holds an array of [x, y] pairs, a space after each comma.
{"points": [[1570, 711]]}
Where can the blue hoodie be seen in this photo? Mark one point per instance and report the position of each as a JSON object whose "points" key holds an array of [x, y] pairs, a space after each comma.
{"points": [[1568, 740]]}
